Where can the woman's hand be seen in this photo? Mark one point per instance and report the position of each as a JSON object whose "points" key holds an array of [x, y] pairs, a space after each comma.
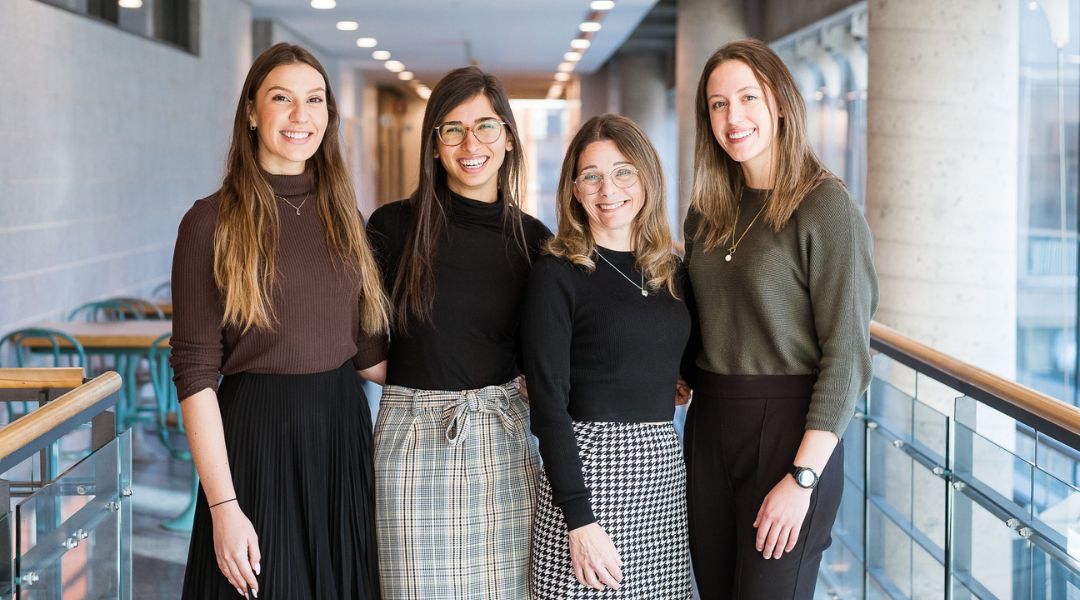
{"points": [[237, 548], [683, 393], [595, 560], [780, 518], [520, 384]]}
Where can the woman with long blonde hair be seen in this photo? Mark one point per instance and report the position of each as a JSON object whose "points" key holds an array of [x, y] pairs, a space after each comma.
{"points": [[605, 327], [276, 290], [783, 281]]}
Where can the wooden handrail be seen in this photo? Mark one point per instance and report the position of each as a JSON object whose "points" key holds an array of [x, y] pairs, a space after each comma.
{"points": [[15, 436], [41, 379], [1046, 407]]}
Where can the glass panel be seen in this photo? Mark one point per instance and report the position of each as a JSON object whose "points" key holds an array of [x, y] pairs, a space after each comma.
{"points": [[68, 532], [888, 553], [931, 432], [927, 573], [891, 407], [1056, 505], [890, 477], [984, 464], [1052, 579], [841, 573], [985, 549]]}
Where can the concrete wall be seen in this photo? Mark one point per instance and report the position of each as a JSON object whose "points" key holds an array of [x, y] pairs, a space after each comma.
{"points": [[777, 18], [111, 137]]}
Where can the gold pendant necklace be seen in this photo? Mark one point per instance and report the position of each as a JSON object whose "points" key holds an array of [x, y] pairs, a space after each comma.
{"points": [[735, 243], [293, 205]]}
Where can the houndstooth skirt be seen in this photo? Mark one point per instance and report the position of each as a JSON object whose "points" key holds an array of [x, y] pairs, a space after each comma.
{"points": [[637, 477], [455, 489]]}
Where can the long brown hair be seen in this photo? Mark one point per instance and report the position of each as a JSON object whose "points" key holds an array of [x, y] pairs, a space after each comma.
{"points": [[246, 238], [413, 289], [651, 236], [718, 180]]}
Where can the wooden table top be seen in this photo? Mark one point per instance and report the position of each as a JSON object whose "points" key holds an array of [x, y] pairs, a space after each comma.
{"points": [[109, 335], [40, 379]]}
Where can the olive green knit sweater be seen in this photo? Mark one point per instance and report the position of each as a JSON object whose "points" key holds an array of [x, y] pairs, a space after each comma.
{"points": [[792, 302]]}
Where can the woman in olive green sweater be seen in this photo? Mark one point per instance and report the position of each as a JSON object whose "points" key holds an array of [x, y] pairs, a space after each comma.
{"points": [[784, 287]]}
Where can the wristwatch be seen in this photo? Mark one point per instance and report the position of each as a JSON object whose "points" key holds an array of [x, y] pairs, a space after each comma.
{"points": [[806, 477]]}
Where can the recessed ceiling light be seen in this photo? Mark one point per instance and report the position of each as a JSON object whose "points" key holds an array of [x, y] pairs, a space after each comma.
{"points": [[566, 67], [602, 5], [555, 91], [348, 25], [367, 42], [130, 3], [394, 66], [589, 26], [405, 75], [323, 4], [562, 77], [571, 57], [424, 92], [580, 43], [380, 54]]}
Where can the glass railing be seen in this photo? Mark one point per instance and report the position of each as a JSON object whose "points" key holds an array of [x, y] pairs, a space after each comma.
{"points": [[957, 485], [66, 528]]}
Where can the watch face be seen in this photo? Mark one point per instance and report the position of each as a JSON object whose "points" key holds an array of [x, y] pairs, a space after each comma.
{"points": [[805, 478]]}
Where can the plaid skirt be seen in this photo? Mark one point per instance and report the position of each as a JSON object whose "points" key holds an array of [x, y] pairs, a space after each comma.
{"points": [[455, 490]]}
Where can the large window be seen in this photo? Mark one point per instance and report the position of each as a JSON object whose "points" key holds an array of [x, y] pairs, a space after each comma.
{"points": [[170, 21], [1047, 335]]}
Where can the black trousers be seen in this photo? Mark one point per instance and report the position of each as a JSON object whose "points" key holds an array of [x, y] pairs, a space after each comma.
{"points": [[742, 433]]}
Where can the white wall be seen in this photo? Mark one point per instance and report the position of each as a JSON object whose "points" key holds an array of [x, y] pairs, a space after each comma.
{"points": [[109, 139]]}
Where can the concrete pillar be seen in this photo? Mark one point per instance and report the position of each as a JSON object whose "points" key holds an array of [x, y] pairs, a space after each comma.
{"points": [[643, 93], [942, 203], [643, 89], [703, 26], [942, 173]]}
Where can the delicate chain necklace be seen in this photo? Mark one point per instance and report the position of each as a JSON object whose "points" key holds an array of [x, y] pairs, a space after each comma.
{"points": [[644, 292], [735, 243], [293, 205]]}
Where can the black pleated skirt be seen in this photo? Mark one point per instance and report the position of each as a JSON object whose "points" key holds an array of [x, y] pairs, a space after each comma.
{"points": [[299, 448]]}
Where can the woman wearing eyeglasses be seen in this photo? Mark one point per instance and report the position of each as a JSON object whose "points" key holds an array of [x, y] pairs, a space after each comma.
{"points": [[605, 328], [455, 466]]}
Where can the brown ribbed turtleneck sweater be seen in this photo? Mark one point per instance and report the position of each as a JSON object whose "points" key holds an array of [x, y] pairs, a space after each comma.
{"points": [[316, 301]]}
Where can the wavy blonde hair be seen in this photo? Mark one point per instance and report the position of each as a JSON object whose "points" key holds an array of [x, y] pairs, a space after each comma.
{"points": [[651, 236], [246, 237], [718, 180]]}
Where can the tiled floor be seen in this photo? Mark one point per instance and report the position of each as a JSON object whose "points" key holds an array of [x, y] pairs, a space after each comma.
{"points": [[161, 488]]}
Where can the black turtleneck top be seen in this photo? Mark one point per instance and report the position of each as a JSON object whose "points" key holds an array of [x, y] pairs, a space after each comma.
{"points": [[596, 349], [471, 340]]}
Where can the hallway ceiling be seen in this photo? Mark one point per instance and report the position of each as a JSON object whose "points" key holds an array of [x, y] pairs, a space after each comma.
{"points": [[518, 40]]}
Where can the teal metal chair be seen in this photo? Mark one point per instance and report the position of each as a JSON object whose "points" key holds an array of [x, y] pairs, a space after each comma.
{"points": [[145, 309], [163, 291], [170, 425], [62, 349], [125, 363], [116, 309]]}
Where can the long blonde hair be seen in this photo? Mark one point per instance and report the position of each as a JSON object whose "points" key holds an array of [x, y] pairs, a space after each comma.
{"points": [[718, 180], [246, 237], [651, 236]]}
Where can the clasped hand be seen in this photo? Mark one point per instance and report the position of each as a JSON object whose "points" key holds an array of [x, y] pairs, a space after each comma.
{"points": [[595, 560]]}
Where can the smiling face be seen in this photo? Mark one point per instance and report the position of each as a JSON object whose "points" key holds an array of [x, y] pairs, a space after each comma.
{"points": [[472, 167], [290, 115], [744, 120], [611, 209]]}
